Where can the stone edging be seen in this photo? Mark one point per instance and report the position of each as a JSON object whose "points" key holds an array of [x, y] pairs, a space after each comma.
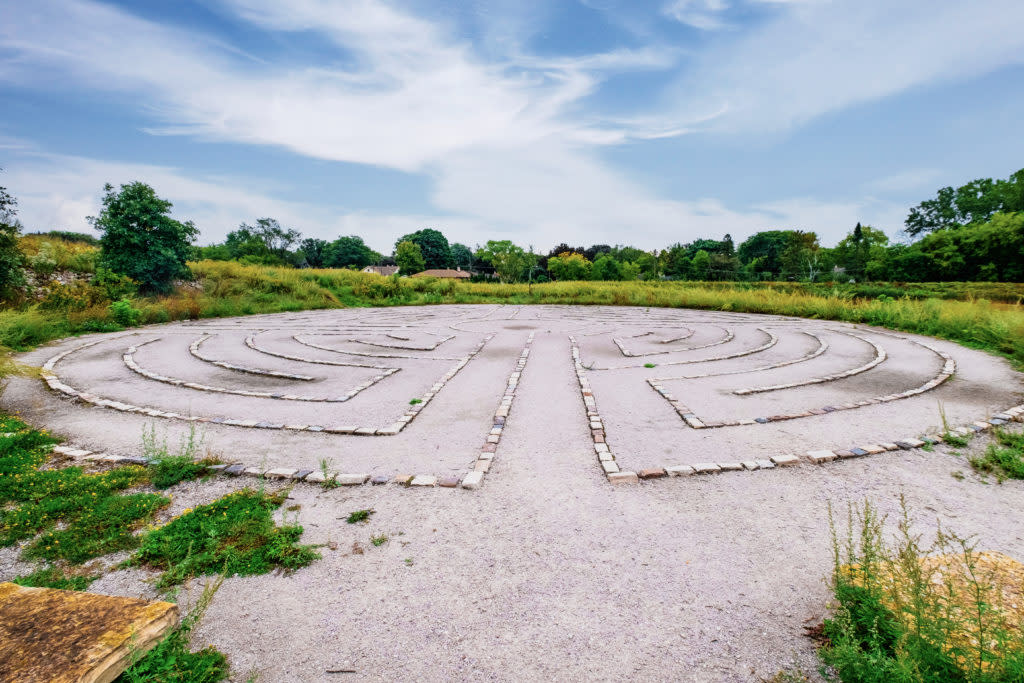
{"points": [[471, 480], [366, 354], [772, 341], [691, 418], [51, 379], [194, 350], [129, 360]]}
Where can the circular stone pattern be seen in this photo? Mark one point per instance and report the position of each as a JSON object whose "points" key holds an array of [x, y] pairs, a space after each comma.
{"points": [[433, 391]]}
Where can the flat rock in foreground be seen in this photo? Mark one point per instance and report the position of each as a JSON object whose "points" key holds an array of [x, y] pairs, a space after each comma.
{"points": [[54, 635]]}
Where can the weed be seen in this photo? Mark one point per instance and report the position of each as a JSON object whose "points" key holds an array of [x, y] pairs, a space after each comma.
{"points": [[909, 612], [650, 365], [408, 562], [379, 540], [235, 534], [125, 314], [359, 516], [415, 401], [957, 474], [166, 468], [329, 482], [52, 577], [1004, 459], [172, 660]]}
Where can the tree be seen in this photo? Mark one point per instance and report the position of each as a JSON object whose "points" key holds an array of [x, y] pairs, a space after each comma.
{"points": [[510, 261], [801, 260], [972, 203], [569, 266], [313, 251], [859, 248], [140, 239], [433, 245], [762, 252], [11, 259], [350, 252], [701, 266], [462, 256], [606, 268], [266, 242], [409, 258]]}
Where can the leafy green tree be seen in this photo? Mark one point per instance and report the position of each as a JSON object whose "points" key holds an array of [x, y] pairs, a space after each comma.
{"points": [[12, 275], [676, 263], [569, 266], [434, 247], [762, 252], [350, 252], [140, 239], [510, 261], [409, 258], [801, 259], [862, 246], [974, 202], [647, 266], [266, 242], [313, 251], [462, 256], [701, 266], [606, 268]]}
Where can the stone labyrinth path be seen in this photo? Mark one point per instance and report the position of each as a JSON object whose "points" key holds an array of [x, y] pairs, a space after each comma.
{"points": [[428, 395]]}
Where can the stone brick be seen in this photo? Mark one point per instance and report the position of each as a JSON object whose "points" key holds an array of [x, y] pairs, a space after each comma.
{"points": [[280, 473], [706, 467], [679, 471], [819, 457], [623, 478], [351, 479], [448, 482], [653, 473], [472, 480], [749, 464], [380, 479], [765, 464], [785, 460], [316, 477], [730, 466], [423, 480], [873, 449], [403, 479]]}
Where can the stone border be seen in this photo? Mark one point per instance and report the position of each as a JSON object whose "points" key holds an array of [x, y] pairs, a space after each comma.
{"points": [[51, 379], [250, 341], [440, 341], [194, 350], [822, 348], [620, 342], [772, 341], [471, 480], [879, 358], [692, 420], [366, 354], [129, 360]]}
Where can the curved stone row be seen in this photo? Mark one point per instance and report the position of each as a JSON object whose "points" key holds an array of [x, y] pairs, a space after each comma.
{"points": [[694, 421], [620, 342], [194, 350], [53, 381], [772, 341], [250, 341], [879, 358], [822, 348], [401, 346], [129, 360], [365, 353]]}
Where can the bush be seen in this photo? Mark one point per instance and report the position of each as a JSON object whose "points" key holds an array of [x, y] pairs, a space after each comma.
{"points": [[125, 314]]}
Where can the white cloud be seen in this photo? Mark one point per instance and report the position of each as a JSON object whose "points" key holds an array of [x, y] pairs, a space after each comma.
{"points": [[819, 57], [702, 14]]}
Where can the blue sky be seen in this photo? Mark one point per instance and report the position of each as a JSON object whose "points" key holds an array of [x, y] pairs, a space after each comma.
{"points": [[541, 121]]}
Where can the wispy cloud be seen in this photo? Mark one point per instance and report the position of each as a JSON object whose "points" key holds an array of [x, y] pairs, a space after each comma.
{"points": [[702, 14]]}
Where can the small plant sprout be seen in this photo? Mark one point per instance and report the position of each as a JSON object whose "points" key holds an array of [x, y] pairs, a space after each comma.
{"points": [[329, 481], [359, 516], [379, 540], [408, 562], [649, 365], [415, 401]]}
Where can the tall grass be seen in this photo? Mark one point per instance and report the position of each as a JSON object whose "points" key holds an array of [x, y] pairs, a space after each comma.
{"points": [[228, 289]]}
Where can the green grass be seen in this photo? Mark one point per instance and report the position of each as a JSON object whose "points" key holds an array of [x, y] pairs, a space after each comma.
{"points": [[166, 468], [359, 516], [1004, 458], [52, 577], [67, 514], [229, 289], [235, 535], [904, 616], [172, 660]]}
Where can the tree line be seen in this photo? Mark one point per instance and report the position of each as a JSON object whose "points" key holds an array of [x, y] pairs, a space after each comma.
{"points": [[971, 233]]}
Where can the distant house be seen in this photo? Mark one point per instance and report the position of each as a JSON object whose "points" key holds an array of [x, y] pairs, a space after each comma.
{"points": [[445, 272], [381, 270]]}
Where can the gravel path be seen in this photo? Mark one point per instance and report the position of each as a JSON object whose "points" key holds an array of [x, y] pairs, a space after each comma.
{"points": [[548, 572]]}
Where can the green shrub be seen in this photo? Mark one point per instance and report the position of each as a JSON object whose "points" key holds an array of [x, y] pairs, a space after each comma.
{"points": [[125, 314]]}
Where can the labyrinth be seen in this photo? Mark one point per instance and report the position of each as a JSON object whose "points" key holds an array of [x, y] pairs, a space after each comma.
{"points": [[428, 395]]}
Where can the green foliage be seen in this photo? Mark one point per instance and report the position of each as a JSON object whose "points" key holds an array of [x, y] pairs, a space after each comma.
{"points": [[235, 535], [67, 236], [511, 262], [313, 251], [350, 252], [359, 516], [11, 258], [167, 468], [140, 239], [972, 203], [52, 577], [378, 540], [904, 617], [69, 515], [462, 256], [1004, 459], [172, 660], [409, 258], [433, 246], [125, 314], [265, 243], [569, 266]]}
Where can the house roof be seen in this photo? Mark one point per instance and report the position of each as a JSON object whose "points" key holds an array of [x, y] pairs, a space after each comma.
{"points": [[381, 270], [443, 272]]}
